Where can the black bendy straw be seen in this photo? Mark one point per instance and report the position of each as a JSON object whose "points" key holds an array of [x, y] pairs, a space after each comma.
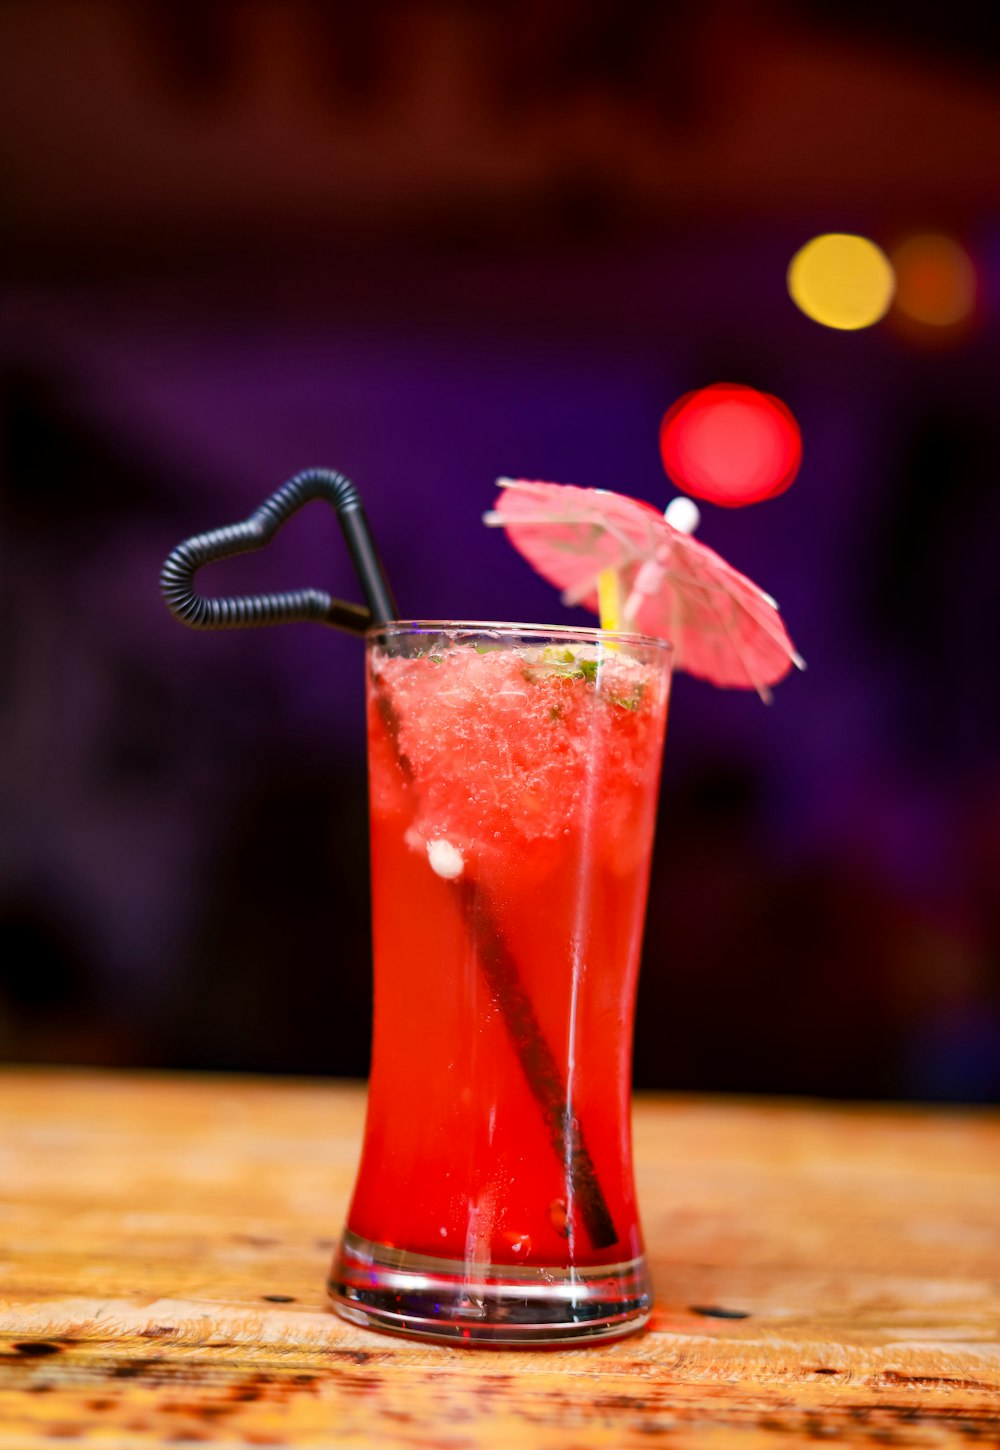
{"points": [[296, 606], [251, 610]]}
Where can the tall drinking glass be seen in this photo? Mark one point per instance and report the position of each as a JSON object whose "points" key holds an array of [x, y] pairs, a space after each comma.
{"points": [[514, 774]]}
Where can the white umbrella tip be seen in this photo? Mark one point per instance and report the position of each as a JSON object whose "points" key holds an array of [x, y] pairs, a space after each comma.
{"points": [[682, 514]]}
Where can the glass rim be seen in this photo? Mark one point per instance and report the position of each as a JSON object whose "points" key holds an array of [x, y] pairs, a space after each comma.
{"points": [[592, 634]]}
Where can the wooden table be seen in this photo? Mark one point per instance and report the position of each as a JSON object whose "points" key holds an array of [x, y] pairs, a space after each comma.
{"points": [[822, 1272]]}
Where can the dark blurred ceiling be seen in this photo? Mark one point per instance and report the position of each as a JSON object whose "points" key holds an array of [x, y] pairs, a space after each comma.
{"points": [[968, 34], [174, 129]]}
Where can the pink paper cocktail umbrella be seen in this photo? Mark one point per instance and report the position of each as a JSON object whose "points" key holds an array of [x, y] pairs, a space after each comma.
{"points": [[722, 626]]}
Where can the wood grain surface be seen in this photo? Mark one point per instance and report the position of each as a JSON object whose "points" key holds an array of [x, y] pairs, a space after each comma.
{"points": [[822, 1273]]}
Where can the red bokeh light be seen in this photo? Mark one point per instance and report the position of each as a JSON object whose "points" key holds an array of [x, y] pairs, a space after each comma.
{"points": [[730, 444]]}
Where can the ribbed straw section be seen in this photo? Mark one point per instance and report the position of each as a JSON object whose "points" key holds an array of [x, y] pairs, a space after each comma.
{"points": [[251, 610]]}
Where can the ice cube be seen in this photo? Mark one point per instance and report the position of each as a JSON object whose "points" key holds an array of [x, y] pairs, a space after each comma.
{"points": [[446, 860]]}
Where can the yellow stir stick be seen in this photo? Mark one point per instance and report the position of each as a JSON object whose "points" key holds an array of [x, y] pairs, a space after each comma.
{"points": [[610, 599]]}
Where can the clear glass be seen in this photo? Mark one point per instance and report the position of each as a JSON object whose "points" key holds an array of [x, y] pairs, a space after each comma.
{"points": [[514, 776]]}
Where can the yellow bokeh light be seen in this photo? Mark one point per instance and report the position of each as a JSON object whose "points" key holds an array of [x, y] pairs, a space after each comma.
{"points": [[935, 280], [842, 281]]}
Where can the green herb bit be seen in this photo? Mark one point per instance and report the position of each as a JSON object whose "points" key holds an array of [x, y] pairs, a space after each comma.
{"points": [[436, 659], [563, 664], [629, 702]]}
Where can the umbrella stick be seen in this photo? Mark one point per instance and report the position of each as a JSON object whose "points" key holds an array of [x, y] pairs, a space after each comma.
{"points": [[610, 599]]}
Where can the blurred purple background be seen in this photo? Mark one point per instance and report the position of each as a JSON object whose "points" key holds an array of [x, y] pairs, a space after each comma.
{"points": [[428, 244]]}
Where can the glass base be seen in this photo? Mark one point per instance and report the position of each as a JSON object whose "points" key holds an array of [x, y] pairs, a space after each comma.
{"points": [[498, 1304]]}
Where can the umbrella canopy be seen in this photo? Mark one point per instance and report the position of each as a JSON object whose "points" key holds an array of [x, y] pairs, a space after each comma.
{"points": [[723, 628]]}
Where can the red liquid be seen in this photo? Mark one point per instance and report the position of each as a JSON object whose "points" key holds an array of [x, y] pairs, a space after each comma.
{"points": [[535, 779]]}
